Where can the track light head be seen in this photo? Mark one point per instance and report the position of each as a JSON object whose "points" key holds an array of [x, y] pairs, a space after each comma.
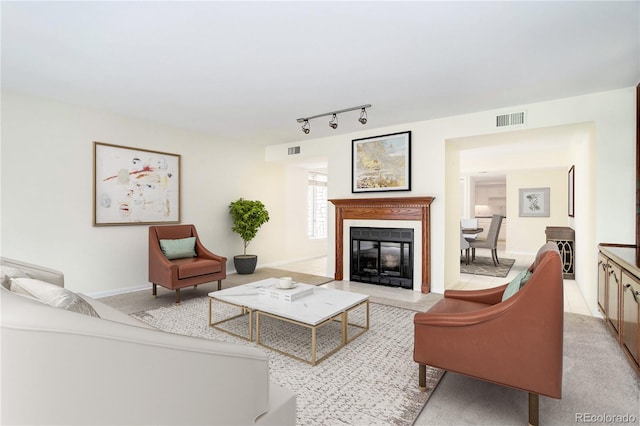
{"points": [[334, 122], [363, 116], [306, 127]]}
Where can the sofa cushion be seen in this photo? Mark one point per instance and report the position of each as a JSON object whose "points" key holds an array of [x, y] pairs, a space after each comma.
{"points": [[194, 267], [52, 295], [179, 248], [516, 284]]}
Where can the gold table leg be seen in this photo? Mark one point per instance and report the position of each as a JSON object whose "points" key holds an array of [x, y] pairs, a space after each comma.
{"points": [[244, 311], [343, 317]]}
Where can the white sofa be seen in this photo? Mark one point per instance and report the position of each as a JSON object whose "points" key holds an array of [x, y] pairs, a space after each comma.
{"points": [[64, 367]]}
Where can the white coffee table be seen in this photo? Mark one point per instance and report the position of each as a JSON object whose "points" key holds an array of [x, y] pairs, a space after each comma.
{"points": [[317, 308]]}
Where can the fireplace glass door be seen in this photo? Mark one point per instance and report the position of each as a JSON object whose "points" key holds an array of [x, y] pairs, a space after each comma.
{"points": [[376, 258]]}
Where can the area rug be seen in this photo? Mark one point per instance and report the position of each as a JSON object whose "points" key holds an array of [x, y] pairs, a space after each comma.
{"points": [[233, 280], [484, 266], [371, 381]]}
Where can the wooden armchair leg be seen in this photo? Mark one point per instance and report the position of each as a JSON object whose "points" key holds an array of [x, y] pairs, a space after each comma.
{"points": [[155, 290], [219, 285], [177, 296], [422, 377], [533, 409]]}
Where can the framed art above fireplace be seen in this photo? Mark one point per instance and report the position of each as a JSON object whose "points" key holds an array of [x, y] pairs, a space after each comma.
{"points": [[381, 163]]}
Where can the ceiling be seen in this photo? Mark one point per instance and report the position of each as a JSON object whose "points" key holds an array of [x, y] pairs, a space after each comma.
{"points": [[245, 71]]}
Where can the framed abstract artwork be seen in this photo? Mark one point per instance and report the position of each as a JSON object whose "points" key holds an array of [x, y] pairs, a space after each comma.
{"points": [[572, 183], [381, 163], [133, 186], [534, 202]]}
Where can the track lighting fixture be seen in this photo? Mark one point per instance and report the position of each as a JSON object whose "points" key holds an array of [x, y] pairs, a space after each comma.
{"points": [[306, 127], [363, 116], [333, 123]]}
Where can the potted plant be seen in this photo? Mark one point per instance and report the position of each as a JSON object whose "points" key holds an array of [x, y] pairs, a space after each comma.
{"points": [[248, 216]]}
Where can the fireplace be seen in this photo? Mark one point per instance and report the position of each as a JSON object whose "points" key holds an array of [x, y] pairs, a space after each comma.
{"points": [[382, 256], [390, 210]]}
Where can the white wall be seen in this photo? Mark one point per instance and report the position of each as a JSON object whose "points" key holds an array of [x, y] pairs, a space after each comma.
{"points": [[297, 245], [527, 234], [611, 115], [47, 163]]}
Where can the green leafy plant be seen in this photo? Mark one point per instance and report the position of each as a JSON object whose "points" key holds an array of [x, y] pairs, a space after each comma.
{"points": [[248, 216]]}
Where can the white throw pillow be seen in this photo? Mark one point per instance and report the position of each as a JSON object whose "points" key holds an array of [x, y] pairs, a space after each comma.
{"points": [[52, 295], [8, 272]]}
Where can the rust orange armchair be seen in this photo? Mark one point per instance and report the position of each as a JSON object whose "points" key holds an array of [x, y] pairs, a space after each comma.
{"points": [[185, 267], [516, 342]]}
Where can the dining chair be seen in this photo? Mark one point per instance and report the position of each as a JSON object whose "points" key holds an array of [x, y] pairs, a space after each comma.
{"points": [[491, 242], [464, 247]]}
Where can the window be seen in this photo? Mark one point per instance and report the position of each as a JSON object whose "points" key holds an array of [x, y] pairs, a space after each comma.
{"points": [[317, 205]]}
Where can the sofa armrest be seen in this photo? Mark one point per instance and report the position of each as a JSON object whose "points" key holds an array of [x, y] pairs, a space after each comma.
{"points": [[490, 296], [161, 270], [203, 252], [460, 313], [35, 271]]}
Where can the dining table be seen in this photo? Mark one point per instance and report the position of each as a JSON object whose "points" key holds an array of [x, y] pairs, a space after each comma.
{"points": [[472, 230]]}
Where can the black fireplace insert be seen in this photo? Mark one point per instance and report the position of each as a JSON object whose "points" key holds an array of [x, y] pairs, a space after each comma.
{"points": [[382, 256]]}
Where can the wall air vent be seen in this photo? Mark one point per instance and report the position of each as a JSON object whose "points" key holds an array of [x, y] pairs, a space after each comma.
{"points": [[510, 119], [294, 150]]}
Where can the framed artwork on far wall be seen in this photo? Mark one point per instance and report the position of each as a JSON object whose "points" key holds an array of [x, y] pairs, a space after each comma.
{"points": [[381, 163], [134, 186], [571, 193], [534, 202]]}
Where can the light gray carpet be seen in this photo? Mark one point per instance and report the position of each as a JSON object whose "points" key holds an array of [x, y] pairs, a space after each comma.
{"points": [[484, 266], [371, 381]]}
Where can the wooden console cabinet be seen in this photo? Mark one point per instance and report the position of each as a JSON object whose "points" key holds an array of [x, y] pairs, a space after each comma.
{"points": [[619, 296], [564, 237]]}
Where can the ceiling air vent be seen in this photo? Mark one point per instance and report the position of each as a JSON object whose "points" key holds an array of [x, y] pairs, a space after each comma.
{"points": [[510, 119], [294, 150]]}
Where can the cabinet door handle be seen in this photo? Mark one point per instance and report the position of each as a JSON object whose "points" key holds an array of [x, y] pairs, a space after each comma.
{"points": [[604, 265], [634, 293], [615, 277]]}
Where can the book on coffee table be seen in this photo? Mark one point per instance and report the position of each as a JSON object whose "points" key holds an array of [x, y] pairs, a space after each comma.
{"points": [[286, 294]]}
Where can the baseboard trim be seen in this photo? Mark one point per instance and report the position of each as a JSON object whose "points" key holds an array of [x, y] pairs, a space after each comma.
{"points": [[107, 293], [147, 286]]}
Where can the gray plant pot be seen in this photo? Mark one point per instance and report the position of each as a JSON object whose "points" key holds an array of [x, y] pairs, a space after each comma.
{"points": [[245, 263]]}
